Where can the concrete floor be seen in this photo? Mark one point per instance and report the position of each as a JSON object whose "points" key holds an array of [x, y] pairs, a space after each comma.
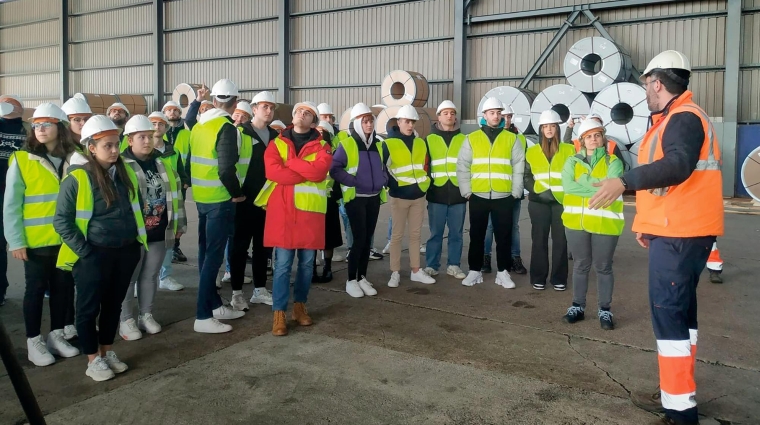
{"points": [[440, 354]]}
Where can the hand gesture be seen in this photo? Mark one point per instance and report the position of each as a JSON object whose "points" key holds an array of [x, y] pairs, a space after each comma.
{"points": [[203, 93]]}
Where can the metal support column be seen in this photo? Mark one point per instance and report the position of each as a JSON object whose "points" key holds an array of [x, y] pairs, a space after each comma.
{"points": [[731, 96], [460, 55], [158, 57], [283, 47], [594, 21], [63, 78], [550, 48]]}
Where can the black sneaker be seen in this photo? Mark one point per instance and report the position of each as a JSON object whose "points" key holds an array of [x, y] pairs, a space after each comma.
{"points": [[517, 266], [715, 277], [374, 255], [178, 256], [539, 286], [560, 287], [605, 319], [486, 264], [574, 314]]}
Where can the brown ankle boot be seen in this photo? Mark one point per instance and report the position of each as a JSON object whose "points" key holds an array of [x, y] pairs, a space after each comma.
{"points": [[279, 327], [300, 314]]}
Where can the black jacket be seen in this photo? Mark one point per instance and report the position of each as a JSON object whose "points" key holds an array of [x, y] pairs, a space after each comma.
{"points": [[448, 194], [109, 227], [256, 175], [12, 137]]}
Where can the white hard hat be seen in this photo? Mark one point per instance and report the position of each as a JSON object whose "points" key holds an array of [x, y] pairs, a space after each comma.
{"points": [[508, 110], [117, 105], [549, 116], [138, 123], [171, 104], [5, 109], [328, 128], [594, 115], [324, 109], [408, 112], [308, 105], [669, 59], [492, 103], [245, 107], [76, 106], [96, 125], [224, 88], [589, 125], [263, 96], [158, 116], [49, 110], [446, 104], [360, 109], [277, 124], [79, 96]]}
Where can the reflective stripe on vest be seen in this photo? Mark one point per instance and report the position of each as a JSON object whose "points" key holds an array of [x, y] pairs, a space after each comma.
{"points": [[491, 168], [40, 196], [204, 166], [308, 196], [443, 159], [352, 167], [244, 158], [407, 167], [85, 204], [548, 176], [578, 215], [610, 146]]}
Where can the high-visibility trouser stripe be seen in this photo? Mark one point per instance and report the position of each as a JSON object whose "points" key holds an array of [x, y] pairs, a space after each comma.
{"points": [[38, 199], [677, 383], [714, 262], [492, 161], [83, 214], [407, 168], [411, 180], [679, 402], [205, 161], [444, 174], [352, 170], [595, 213], [492, 176], [310, 189], [41, 221], [206, 183]]}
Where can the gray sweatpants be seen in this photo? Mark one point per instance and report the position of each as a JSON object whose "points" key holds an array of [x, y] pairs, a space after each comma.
{"points": [[145, 277], [588, 249]]}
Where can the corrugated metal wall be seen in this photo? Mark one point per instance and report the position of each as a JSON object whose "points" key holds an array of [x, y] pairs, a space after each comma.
{"points": [[29, 50]]}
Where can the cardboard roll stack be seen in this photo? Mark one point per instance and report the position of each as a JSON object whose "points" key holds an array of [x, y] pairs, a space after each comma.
{"points": [[397, 89], [99, 103]]}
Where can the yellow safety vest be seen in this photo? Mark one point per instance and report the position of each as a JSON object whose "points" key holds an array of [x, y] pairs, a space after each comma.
{"points": [[204, 163], [407, 167], [548, 176], [85, 204], [182, 143], [163, 164], [578, 215], [245, 152], [443, 159], [40, 196], [352, 166], [124, 144], [491, 162], [308, 196]]}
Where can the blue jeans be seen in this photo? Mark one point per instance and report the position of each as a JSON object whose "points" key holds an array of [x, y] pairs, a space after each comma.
{"points": [[227, 249], [214, 223], [346, 225], [166, 267], [515, 231], [439, 215], [283, 263]]}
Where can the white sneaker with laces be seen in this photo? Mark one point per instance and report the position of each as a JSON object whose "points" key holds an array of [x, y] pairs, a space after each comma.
{"points": [[422, 277], [423, 248], [113, 362], [226, 313], [367, 287], [128, 330], [473, 278], [69, 332], [431, 271], [387, 249], [227, 278], [211, 326], [238, 303], [353, 289], [57, 345], [38, 352], [456, 272], [261, 296], [503, 279], [98, 370], [147, 323], [170, 284], [395, 279]]}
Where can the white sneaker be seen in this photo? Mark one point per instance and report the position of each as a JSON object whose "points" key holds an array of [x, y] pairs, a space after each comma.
{"points": [[338, 258], [211, 326], [247, 280], [422, 277], [261, 296], [98, 370], [423, 248], [113, 362], [367, 287], [226, 313], [395, 279], [503, 279], [353, 289], [238, 303], [227, 278], [38, 352], [431, 271], [69, 332], [128, 330], [147, 323], [57, 345], [455, 271], [170, 284], [387, 249], [473, 278]]}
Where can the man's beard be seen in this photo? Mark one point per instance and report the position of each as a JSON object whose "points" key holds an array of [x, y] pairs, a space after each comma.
{"points": [[120, 122], [175, 120]]}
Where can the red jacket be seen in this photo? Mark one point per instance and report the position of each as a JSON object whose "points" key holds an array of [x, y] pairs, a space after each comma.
{"points": [[286, 227]]}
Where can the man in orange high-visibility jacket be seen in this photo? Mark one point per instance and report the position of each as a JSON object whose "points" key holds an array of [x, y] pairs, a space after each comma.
{"points": [[679, 214]]}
